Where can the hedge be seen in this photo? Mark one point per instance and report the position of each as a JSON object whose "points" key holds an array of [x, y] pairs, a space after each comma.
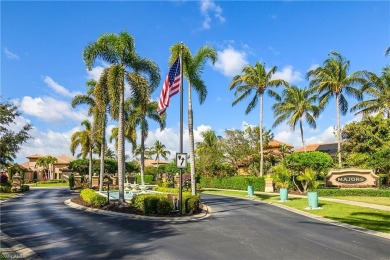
{"points": [[353, 192], [235, 183], [152, 204], [147, 178], [93, 198]]}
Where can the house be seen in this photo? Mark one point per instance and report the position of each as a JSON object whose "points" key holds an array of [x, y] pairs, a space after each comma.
{"points": [[154, 163], [329, 148], [35, 172], [274, 150]]}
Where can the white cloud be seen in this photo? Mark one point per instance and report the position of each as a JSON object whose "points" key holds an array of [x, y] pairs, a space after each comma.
{"points": [[95, 73], [50, 142], [284, 134], [10, 55], [208, 9], [50, 109], [230, 61], [272, 49], [288, 74], [58, 88]]}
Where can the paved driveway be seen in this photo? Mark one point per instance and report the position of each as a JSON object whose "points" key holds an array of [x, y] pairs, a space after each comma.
{"points": [[236, 229]]}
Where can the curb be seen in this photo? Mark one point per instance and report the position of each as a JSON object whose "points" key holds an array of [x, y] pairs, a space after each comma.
{"points": [[16, 249], [205, 213]]}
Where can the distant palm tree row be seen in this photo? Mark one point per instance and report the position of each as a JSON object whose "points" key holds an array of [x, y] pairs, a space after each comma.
{"points": [[327, 81], [126, 69]]}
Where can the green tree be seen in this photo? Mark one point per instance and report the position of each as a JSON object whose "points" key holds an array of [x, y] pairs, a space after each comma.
{"points": [[367, 136], [380, 161], [119, 52], [378, 90], [159, 150], [297, 104], [110, 154], [10, 141], [145, 109], [84, 140], [193, 66], [210, 156], [255, 79], [236, 147], [332, 80]]}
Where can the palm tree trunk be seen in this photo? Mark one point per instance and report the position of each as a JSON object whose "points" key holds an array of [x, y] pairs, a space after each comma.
{"points": [[90, 169], [102, 157], [303, 140], [338, 129], [261, 136], [191, 140], [142, 155], [121, 144]]}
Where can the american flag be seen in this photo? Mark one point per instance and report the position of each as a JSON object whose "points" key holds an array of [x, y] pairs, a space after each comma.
{"points": [[171, 87]]}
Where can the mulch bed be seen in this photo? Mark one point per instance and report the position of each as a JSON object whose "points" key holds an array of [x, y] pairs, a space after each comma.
{"points": [[123, 208]]}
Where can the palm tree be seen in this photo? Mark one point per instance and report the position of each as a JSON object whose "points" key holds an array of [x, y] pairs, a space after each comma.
{"points": [[119, 52], [43, 162], [296, 105], [378, 88], [110, 154], [159, 150], [192, 69], [209, 142], [50, 160], [84, 140], [256, 79], [387, 52], [144, 108], [332, 80], [98, 101]]}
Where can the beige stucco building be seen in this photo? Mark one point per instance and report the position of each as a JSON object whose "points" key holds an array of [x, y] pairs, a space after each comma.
{"points": [[35, 172]]}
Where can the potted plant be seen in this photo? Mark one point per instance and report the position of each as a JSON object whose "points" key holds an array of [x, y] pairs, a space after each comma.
{"points": [[282, 178], [310, 184]]}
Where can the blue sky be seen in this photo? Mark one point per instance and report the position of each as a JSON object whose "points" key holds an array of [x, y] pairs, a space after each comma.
{"points": [[42, 67]]}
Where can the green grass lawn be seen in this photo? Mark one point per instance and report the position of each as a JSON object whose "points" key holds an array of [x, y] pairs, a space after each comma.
{"points": [[39, 184], [4, 196], [373, 219], [376, 200]]}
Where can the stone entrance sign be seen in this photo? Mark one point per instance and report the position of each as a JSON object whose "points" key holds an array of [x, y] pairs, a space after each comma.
{"points": [[351, 178]]}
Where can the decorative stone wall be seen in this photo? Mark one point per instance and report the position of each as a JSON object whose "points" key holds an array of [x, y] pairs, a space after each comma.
{"points": [[351, 178]]}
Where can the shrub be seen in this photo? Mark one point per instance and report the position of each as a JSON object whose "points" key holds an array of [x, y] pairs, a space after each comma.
{"points": [[147, 178], [3, 179], [236, 183], [5, 188], [281, 176], [92, 198], [164, 206], [71, 181], [14, 189], [190, 203], [152, 204], [354, 192], [25, 188]]}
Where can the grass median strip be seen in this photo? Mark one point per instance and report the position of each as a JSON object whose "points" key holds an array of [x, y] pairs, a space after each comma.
{"points": [[373, 219]]}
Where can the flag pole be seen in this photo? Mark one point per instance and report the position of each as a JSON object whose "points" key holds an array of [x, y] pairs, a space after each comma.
{"points": [[181, 127]]}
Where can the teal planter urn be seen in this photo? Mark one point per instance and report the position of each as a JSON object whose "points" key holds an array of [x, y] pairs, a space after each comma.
{"points": [[283, 193], [250, 191], [312, 197]]}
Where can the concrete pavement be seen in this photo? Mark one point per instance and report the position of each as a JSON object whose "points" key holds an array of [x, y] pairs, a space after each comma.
{"points": [[11, 248]]}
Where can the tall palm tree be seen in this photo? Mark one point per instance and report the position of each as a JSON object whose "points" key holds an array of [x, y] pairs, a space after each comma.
{"points": [[193, 67], [47, 162], [332, 80], [84, 140], [209, 142], [51, 161], [97, 100], [256, 79], [387, 52], [378, 88], [297, 104], [145, 109], [118, 50], [109, 154]]}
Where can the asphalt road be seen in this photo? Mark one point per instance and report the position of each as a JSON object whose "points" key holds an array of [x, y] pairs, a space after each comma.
{"points": [[236, 229]]}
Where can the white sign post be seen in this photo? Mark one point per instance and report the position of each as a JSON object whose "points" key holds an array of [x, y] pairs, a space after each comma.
{"points": [[181, 160]]}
